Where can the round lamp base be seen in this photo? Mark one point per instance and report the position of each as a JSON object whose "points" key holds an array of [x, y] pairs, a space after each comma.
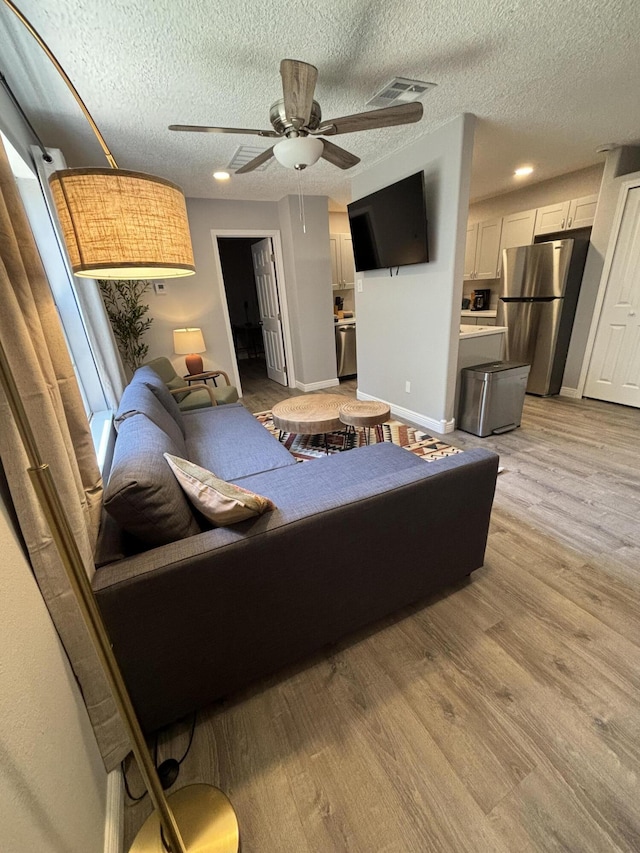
{"points": [[194, 363], [206, 820]]}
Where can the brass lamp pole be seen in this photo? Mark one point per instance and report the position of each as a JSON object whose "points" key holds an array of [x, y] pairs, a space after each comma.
{"points": [[197, 818]]}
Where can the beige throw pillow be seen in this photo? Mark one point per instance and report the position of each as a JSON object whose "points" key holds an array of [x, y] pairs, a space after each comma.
{"points": [[220, 502]]}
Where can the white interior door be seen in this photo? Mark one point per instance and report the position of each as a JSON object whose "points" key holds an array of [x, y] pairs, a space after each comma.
{"points": [[614, 369], [264, 269]]}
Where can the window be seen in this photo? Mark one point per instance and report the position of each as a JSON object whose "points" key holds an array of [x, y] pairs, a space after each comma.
{"points": [[62, 287]]}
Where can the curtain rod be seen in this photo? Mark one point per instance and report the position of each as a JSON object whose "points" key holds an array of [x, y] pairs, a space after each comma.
{"points": [[45, 155]]}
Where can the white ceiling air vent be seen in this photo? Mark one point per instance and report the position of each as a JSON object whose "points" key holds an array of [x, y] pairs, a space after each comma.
{"points": [[400, 90], [244, 154]]}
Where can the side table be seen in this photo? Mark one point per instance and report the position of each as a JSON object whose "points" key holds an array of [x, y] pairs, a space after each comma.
{"points": [[364, 413], [209, 374]]}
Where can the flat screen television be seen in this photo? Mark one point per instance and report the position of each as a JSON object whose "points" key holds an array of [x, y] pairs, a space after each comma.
{"points": [[389, 227]]}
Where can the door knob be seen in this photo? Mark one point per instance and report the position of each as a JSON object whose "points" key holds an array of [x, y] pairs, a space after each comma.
{"points": [[632, 313]]}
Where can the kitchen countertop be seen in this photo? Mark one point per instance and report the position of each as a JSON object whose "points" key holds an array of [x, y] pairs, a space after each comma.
{"points": [[346, 321], [478, 331], [491, 312]]}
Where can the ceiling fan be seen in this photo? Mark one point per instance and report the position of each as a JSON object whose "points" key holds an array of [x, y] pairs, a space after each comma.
{"points": [[297, 121]]}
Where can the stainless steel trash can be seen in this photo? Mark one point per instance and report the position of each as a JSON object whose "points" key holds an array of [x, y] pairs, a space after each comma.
{"points": [[492, 397], [346, 349]]}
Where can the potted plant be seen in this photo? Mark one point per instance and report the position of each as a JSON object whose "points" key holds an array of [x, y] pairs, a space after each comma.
{"points": [[122, 300]]}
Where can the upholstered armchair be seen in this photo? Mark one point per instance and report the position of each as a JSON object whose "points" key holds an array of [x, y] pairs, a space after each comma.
{"points": [[199, 396]]}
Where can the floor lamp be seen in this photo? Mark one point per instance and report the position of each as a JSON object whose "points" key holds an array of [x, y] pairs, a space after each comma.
{"points": [[197, 818]]}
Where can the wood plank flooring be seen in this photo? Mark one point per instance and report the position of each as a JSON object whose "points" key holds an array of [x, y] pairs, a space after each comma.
{"points": [[500, 715]]}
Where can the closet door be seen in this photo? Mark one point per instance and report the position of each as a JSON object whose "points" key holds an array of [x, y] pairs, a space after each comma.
{"points": [[614, 369]]}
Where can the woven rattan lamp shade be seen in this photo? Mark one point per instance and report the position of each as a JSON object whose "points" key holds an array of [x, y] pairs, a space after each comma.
{"points": [[120, 224]]}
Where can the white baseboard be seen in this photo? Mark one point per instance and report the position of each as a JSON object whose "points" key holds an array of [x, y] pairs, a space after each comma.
{"points": [[570, 392], [316, 386], [440, 426], [114, 817]]}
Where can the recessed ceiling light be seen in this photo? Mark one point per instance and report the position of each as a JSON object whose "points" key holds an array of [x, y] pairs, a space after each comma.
{"points": [[221, 176], [523, 170]]}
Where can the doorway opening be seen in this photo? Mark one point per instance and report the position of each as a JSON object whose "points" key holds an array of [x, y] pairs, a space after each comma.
{"points": [[251, 285]]}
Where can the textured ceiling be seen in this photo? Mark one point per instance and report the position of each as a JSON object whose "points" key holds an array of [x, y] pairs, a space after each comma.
{"points": [[548, 81]]}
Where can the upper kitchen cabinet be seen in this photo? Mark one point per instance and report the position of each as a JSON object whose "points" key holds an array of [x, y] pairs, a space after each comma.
{"points": [[482, 250], [517, 230], [566, 215], [343, 268]]}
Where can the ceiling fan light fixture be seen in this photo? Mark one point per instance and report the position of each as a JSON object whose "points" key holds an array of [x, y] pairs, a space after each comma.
{"points": [[298, 152]]}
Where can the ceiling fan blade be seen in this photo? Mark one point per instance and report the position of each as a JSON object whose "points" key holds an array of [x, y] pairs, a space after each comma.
{"points": [[198, 128], [257, 161], [338, 156], [298, 85], [386, 117]]}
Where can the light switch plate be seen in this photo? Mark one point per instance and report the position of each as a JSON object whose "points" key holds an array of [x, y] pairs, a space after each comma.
{"points": [[359, 285]]}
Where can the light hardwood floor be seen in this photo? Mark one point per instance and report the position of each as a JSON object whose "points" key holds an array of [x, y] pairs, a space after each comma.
{"points": [[500, 715]]}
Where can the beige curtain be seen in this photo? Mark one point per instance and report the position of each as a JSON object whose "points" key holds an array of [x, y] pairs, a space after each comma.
{"points": [[33, 340], [87, 291]]}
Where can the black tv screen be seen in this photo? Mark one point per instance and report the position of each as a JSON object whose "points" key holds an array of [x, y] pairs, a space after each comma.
{"points": [[389, 227]]}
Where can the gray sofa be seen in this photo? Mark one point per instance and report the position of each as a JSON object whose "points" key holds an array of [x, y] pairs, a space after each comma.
{"points": [[196, 613]]}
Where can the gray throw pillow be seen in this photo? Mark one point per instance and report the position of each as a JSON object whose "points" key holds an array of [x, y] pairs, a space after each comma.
{"points": [[142, 494], [150, 378]]}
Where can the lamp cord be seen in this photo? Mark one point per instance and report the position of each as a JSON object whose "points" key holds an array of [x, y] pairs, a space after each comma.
{"points": [[155, 761]]}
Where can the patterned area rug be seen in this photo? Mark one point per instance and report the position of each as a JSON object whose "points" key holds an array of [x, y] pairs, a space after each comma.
{"points": [[305, 447]]}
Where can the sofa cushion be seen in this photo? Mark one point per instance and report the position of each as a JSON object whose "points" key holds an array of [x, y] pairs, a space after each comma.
{"points": [[150, 378], [334, 480], [142, 494], [229, 441], [138, 399], [220, 502]]}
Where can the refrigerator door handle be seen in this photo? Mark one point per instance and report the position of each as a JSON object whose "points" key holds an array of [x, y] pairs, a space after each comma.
{"points": [[529, 298]]}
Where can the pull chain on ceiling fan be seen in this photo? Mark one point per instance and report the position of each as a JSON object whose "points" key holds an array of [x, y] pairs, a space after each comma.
{"points": [[297, 122]]}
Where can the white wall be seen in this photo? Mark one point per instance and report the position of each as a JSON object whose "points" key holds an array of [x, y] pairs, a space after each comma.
{"points": [[307, 265], [195, 301], [52, 780], [408, 324]]}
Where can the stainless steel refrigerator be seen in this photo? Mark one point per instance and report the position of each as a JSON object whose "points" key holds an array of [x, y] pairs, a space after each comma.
{"points": [[540, 286]]}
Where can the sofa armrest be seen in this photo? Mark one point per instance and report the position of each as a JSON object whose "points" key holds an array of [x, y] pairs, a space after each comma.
{"points": [[189, 388]]}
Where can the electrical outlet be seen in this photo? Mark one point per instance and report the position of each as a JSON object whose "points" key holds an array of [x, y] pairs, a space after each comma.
{"points": [[359, 285], [160, 287], [407, 387]]}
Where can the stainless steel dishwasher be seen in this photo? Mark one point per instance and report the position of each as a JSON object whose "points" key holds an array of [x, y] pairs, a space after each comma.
{"points": [[346, 349]]}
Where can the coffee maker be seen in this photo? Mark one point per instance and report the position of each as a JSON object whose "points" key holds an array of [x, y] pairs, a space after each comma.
{"points": [[480, 300]]}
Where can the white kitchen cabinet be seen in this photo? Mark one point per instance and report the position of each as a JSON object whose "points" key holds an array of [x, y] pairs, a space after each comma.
{"points": [[552, 218], [343, 268], [566, 215], [483, 246], [582, 211], [517, 230]]}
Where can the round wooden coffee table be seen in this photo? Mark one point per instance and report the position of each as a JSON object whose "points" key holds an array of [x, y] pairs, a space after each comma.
{"points": [[364, 413], [310, 414]]}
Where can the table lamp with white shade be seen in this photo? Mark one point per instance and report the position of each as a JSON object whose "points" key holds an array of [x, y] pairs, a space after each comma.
{"points": [[189, 342]]}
